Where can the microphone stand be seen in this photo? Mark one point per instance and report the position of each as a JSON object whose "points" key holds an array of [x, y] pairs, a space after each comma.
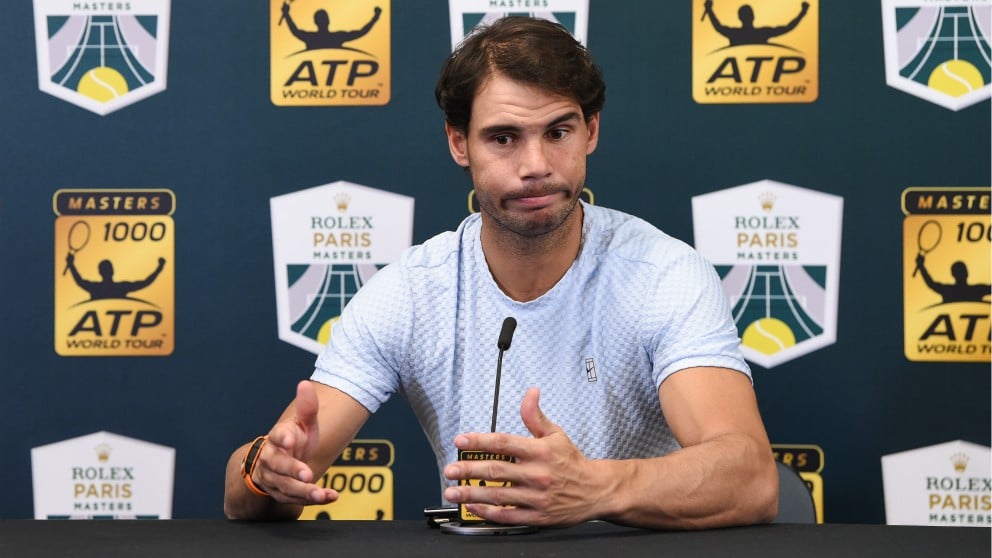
{"points": [[483, 528]]}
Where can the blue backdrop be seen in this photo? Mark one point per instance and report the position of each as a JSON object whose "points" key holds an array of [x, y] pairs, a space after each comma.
{"points": [[214, 138]]}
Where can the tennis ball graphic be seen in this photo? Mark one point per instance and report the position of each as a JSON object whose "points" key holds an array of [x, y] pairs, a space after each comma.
{"points": [[956, 78], [768, 336], [102, 84], [324, 335]]}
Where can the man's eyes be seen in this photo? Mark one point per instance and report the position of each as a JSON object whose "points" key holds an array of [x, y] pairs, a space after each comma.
{"points": [[556, 134]]}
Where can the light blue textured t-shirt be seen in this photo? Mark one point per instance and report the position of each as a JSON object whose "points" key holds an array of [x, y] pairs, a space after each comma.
{"points": [[635, 307]]}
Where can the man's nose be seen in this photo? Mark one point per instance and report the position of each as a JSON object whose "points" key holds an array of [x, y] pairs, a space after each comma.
{"points": [[534, 160]]}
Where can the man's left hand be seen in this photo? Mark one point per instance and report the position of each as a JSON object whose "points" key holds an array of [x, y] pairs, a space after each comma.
{"points": [[550, 480]]}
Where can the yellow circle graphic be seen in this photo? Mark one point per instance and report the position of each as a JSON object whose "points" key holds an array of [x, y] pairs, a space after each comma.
{"points": [[324, 335], [956, 78], [768, 336], [102, 84]]}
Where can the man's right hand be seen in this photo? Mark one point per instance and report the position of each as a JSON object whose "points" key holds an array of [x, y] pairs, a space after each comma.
{"points": [[282, 469]]}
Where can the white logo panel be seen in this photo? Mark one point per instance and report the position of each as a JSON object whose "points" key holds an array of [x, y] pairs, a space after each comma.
{"points": [[466, 15], [103, 476], [102, 56], [943, 485], [777, 250], [939, 51], [327, 242]]}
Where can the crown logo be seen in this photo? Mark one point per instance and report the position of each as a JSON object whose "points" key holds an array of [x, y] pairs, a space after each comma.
{"points": [[102, 452], [960, 461], [767, 200], [342, 201]]}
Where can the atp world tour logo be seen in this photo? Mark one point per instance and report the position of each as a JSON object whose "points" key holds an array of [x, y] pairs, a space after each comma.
{"points": [[102, 56], [325, 53], [755, 51], [777, 250], [466, 15], [327, 242], [939, 51]]}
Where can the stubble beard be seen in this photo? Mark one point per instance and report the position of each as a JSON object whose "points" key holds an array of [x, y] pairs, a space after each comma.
{"points": [[511, 225]]}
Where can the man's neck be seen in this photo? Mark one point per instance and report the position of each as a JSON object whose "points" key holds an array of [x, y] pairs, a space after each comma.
{"points": [[525, 268]]}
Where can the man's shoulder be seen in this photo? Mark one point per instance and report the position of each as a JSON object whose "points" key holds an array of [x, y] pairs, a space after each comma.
{"points": [[441, 249], [617, 234]]}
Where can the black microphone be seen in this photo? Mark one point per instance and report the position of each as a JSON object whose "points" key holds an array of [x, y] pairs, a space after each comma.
{"points": [[471, 524], [503, 343]]}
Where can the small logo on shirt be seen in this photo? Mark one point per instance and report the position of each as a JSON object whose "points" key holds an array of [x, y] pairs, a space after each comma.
{"points": [[591, 369]]}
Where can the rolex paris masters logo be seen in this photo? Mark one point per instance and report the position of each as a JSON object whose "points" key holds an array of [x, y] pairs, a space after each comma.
{"points": [[939, 51], [466, 15], [102, 56], [777, 250], [327, 242], [103, 476]]}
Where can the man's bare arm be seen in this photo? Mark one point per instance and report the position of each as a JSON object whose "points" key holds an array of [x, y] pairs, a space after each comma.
{"points": [[723, 476], [725, 472]]}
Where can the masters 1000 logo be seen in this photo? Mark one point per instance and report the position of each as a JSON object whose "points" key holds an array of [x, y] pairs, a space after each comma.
{"points": [[114, 272]]}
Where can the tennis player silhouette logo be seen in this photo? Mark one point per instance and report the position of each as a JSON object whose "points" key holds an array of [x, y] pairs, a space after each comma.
{"points": [[960, 290], [323, 37], [747, 33], [106, 287]]}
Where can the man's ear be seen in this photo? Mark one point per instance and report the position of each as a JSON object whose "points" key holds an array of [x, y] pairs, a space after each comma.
{"points": [[457, 144], [592, 125]]}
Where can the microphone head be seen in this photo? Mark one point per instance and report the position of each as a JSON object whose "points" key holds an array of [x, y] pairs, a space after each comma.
{"points": [[506, 334]]}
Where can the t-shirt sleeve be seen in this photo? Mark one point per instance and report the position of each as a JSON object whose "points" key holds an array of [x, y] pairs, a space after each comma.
{"points": [[690, 324], [362, 357]]}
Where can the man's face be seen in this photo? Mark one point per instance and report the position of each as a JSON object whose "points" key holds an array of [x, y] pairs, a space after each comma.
{"points": [[526, 150]]}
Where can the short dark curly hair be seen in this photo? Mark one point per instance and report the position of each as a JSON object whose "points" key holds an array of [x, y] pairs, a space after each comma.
{"points": [[525, 49]]}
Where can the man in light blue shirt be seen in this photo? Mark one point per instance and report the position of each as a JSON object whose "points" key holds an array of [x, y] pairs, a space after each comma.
{"points": [[635, 405]]}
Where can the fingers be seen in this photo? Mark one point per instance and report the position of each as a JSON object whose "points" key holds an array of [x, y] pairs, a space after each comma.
{"points": [[511, 515], [282, 468], [534, 419], [306, 404], [512, 492], [502, 505], [495, 494], [287, 479], [494, 472], [498, 443], [520, 447], [496, 475], [294, 435], [289, 439]]}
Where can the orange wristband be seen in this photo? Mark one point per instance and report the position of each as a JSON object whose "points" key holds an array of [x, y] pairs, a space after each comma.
{"points": [[253, 487], [248, 465]]}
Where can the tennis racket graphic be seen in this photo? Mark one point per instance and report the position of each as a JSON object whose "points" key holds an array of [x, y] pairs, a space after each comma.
{"points": [[79, 235], [928, 238]]}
